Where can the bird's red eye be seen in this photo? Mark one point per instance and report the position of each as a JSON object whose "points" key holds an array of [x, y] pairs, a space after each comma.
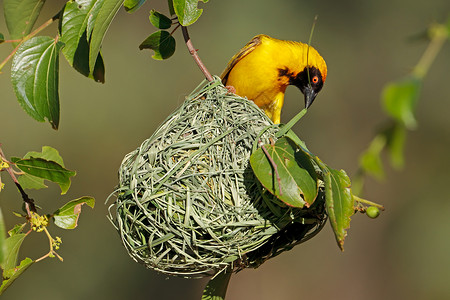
{"points": [[315, 79]]}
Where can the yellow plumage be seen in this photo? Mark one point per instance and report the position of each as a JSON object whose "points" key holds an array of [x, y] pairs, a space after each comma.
{"points": [[264, 68]]}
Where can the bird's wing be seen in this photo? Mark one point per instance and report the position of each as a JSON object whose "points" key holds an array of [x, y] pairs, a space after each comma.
{"points": [[241, 54]]}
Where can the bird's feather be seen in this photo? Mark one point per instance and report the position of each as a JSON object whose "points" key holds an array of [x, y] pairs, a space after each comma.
{"points": [[249, 47]]}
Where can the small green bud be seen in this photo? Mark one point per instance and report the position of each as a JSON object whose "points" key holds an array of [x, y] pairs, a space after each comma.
{"points": [[372, 212]]}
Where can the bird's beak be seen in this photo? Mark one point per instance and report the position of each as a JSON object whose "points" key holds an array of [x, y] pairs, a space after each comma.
{"points": [[310, 95]]}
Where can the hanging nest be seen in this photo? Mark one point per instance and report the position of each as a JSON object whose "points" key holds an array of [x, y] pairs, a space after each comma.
{"points": [[188, 203]]}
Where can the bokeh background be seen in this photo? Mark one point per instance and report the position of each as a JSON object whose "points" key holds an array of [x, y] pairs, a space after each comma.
{"points": [[404, 254]]}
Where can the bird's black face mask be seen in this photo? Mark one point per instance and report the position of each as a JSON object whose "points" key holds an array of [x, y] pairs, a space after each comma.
{"points": [[310, 85]]}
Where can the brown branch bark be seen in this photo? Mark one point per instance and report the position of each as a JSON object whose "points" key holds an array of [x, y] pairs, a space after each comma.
{"points": [[29, 203], [194, 54]]}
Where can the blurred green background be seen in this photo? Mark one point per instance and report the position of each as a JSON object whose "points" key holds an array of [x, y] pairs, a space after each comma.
{"points": [[404, 254]]}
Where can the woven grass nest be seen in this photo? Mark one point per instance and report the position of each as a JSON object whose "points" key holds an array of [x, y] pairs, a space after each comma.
{"points": [[188, 203]]}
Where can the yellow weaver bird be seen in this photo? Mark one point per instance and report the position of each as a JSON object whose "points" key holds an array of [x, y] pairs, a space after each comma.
{"points": [[264, 68]]}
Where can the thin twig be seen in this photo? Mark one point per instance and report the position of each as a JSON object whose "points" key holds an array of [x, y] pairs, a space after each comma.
{"points": [[367, 202], [25, 38], [438, 39], [194, 54], [29, 203], [12, 41], [274, 165]]}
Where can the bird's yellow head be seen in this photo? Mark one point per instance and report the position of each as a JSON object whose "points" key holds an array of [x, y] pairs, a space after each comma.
{"points": [[262, 70], [311, 73]]}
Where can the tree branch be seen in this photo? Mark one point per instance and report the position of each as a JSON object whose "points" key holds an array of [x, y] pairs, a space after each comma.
{"points": [[194, 54], [27, 37], [29, 203]]}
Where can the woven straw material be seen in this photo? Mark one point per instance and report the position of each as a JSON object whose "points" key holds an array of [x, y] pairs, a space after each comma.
{"points": [[188, 203]]}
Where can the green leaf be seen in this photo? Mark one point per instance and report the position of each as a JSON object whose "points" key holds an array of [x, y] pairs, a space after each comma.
{"points": [[67, 216], [12, 274], [34, 75], [2, 38], [12, 247], [161, 42], [159, 20], [48, 153], [133, 5], [99, 24], [400, 100], [46, 169], [370, 160], [396, 139], [216, 288], [297, 185], [18, 228], [28, 181], [187, 11], [2, 238], [74, 23], [20, 16], [339, 202]]}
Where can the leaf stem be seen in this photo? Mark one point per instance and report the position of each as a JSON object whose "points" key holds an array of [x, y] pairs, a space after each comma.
{"points": [[12, 41], [25, 38], [194, 54], [274, 165], [361, 200], [291, 123], [176, 27], [52, 251], [439, 34]]}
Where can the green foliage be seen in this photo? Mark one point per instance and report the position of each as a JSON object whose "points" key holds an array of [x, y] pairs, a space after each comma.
{"points": [[216, 288], [67, 216], [340, 203], [18, 228], [370, 159], [47, 165], [37, 167], [2, 38], [395, 142], [133, 5], [293, 174], [76, 18], [159, 20], [9, 275], [12, 246], [187, 11], [45, 169], [161, 42], [82, 27], [2, 238], [34, 75], [290, 175], [104, 12], [400, 99], [21, 15]]}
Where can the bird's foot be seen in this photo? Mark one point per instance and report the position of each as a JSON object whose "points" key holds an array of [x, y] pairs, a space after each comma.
{"points": [[231, 89]]}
